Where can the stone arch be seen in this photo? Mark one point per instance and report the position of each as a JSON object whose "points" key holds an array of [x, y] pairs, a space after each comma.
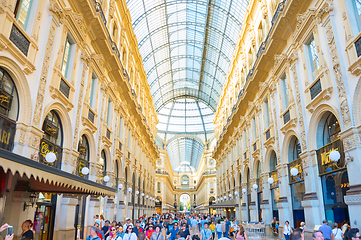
{"points": [[316, 117], [65, 122], [245, 171], [286, 144], [257, 163], [22, 86], [107, 156], [357, 104], [92, 148], [268, 154]]}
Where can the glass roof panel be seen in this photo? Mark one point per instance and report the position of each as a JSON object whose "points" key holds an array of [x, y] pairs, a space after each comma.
{"points": [[187, 48]]}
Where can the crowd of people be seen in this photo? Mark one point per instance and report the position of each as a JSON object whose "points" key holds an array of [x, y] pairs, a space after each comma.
{"points": [[188, 226]]}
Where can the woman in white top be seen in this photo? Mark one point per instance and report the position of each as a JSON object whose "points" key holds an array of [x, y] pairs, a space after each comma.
{"points": [[130, 235], [287, 230], [337, 232]]}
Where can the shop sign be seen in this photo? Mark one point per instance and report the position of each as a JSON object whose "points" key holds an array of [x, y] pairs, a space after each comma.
{"points": [[45, 147], [7, 133], [81, 164], [51, 129], [274, 174], [325, 164], [5, 99], [298, 165]]}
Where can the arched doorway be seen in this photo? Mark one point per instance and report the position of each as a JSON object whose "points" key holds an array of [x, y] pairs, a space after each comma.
{"points": [[83, 158], [158, 205], [52, 140], [333, 174], [184, 203], [259, 190], [274, 187], [297, 183], [249, 191], [210, 203]]}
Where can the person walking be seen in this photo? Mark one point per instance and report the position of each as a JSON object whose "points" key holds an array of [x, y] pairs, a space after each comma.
{"points": [[326, 231], [219, 229], [337, 232], [287, 230], [93, 234], [227, 227], [212, 227], [240, 234], [206, 233]]}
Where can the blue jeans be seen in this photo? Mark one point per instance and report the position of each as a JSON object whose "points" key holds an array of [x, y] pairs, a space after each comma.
{"points": [[219, 234], [287, 237], [225, 234]]}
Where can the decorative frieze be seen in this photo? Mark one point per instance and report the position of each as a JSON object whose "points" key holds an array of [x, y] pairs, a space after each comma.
{"points": [[44, 75]]}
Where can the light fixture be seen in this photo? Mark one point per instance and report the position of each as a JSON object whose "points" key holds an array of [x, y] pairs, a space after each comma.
{"points": [[147, 197], [255, 186], [224, 197], [230, 195], [129, 189], [137, 192], [294, 171], [32, 201], [85, 171], [142, 194], [106, 179], [244, 190], [120, 186], [335, 155], [50, 157], [271, 180], [236, 193]]}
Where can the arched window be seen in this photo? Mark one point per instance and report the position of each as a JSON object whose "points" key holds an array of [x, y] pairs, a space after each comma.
{"points": [[9, 104], [330, 129], [184, 181], [273, 161], [103, 165], [294, 150], [52, 140], [9, 110], [83, 158]]}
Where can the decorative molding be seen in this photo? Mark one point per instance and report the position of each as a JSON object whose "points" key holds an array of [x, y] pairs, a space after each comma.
{"points": [[44, 75]]}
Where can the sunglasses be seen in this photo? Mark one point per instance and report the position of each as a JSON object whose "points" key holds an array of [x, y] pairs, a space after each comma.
{"points": [[113, 230]]}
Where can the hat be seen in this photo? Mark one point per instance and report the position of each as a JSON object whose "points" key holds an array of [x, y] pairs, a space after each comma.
{"points": [[95, 229], [151, 225], [127, 219], [137, 221]]}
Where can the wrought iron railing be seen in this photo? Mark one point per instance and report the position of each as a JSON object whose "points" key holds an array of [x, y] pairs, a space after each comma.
{"points": [[268, 134], [64, 88], [315, 89], [286, 117], [91, 116], [120, 146], [262, 47], [254, 147], [19, 39], [358, 47], [108, 134]]}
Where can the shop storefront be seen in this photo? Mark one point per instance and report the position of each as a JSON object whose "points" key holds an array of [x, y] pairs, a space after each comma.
{"points": [[296, 181], [274, 187], [332, 170]]}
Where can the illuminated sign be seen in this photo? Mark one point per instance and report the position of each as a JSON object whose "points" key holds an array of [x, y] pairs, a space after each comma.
{"points": [[7, 133]]}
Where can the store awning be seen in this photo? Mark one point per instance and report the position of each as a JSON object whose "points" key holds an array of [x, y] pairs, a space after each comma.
{"points": [[226, 204], [38, 177]]}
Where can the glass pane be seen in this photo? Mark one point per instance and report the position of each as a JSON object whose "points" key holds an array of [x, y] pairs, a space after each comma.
{"points": [[64, 66], [23, 12]]}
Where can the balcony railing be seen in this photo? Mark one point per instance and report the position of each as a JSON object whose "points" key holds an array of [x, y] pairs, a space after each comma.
{"points": [[91, 116], [315, 89], [108, 134], [358, 47], [64, 88], [286, 117], [19, 39], [268, 134]]}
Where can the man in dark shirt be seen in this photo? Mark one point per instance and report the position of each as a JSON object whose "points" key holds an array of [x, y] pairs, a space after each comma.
{"points": [[173, 232], [137, 228], [106, 229]]}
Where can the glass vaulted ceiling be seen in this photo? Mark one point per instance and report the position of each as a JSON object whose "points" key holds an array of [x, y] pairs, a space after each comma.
{"points": [[187, 47]]}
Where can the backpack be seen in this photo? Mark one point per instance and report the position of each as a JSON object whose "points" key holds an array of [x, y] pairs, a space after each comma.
{"points": [[195, 237]]}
